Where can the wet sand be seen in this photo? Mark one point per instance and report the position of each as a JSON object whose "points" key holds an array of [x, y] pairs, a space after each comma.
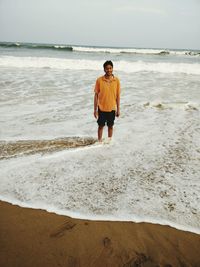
{"points": [[35, 238], [10, 149]]}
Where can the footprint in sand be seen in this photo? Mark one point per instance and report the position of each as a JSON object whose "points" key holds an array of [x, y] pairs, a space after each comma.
{"points": [[62, 229]]}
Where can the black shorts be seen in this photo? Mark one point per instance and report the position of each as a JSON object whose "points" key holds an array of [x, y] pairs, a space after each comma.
{"points": [[106, 117]]}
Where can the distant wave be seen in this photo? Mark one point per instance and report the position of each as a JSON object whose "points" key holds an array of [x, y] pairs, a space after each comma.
{"points": [[81, 64], [36, 46], [88, 49], [121, 50]]}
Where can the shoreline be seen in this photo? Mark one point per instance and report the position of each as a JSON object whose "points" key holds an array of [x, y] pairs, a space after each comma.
{"points": [[101, 218], [31, 237]]}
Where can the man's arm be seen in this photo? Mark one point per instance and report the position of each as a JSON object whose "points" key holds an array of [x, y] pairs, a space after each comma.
{"points": [[118, 99], [95, 105], [118, 106]]}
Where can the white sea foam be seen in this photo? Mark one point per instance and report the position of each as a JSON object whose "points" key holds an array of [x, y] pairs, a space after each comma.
{"points": [[172, 105], [118, 50], [80, 64], [60, 46], [154, 159]]}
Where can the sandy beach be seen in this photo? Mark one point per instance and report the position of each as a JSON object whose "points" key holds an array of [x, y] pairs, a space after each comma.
{"points": [[32, 237]]}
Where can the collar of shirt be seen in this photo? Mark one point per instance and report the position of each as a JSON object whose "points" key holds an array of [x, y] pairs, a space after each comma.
{"points": [[108, 80]]}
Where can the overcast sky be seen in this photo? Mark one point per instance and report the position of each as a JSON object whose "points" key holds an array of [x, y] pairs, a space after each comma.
{"points": [[126, 23]]}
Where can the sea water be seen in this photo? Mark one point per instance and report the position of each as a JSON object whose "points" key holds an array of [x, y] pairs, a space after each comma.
{"points": [[150, 171]]}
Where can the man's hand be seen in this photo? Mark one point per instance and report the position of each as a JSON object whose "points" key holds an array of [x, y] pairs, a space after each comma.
{"points": [[96, 114], [117, 113]]}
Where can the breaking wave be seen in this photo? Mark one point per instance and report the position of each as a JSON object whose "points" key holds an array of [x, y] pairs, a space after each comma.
{"points": [[36, 46], [90, 49], [82, 64]]}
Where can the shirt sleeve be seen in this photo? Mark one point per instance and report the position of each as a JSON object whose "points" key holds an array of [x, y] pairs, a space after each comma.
{"points": [[97, 87]]}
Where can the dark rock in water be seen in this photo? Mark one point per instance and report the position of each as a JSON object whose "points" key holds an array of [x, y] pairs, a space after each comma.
{"points": [[26, 147], [164, 53]]}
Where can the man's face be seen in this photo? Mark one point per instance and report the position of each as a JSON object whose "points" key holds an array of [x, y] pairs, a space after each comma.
{"points": [[108, 70]]}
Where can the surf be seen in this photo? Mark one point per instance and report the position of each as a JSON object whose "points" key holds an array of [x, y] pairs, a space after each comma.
{"points": [[87, 64]]}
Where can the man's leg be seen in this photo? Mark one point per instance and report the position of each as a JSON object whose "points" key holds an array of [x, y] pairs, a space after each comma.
{"points": [[101, 122], [110, 123], [100, 133], [110, 131]]}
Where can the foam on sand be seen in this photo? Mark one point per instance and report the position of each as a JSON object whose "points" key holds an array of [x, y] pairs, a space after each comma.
{"points": [[150, 173], [172, 105]]}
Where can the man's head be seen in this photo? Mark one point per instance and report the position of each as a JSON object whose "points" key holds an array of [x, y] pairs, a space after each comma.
{"points": [[108, 67]]}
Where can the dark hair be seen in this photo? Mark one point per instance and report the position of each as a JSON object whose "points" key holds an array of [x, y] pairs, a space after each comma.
{"points": [[108, 62]]}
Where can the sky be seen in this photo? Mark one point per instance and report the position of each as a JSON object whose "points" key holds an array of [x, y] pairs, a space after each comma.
{"points": [[117, 23]]}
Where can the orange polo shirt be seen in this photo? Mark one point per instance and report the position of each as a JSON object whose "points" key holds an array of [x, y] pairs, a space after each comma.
{"points": [[108, 91]]}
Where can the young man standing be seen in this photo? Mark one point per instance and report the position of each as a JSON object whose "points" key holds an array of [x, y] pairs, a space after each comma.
{"points": [[106, 100]]}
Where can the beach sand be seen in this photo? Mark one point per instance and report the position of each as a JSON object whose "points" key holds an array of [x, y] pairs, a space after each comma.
{"points": [[30, 237]]}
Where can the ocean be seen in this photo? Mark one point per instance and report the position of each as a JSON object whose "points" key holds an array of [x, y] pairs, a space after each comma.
{"points": [[149, 172]]}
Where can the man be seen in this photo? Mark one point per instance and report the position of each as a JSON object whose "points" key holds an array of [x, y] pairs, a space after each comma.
{"points": [[106, 100]]}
